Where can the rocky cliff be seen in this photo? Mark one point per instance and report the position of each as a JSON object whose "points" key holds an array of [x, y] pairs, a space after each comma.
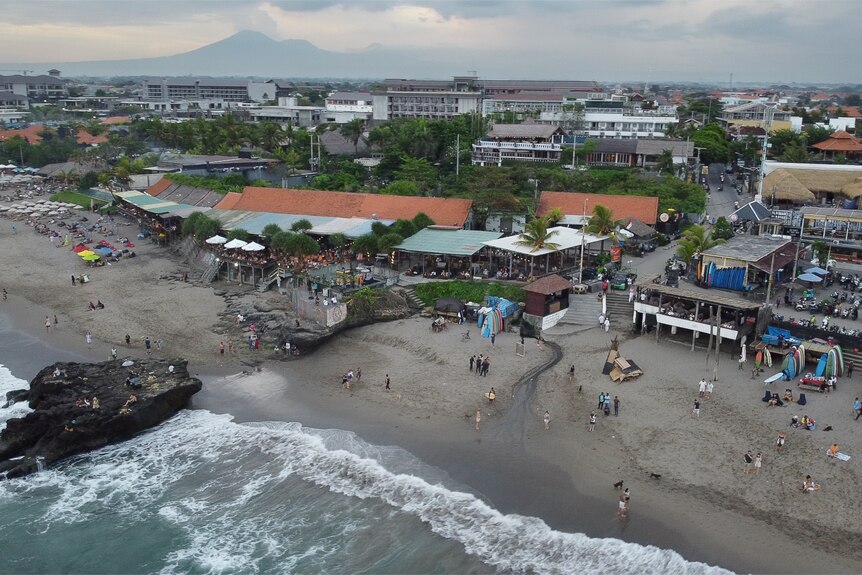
{"points": [[79, 407]]}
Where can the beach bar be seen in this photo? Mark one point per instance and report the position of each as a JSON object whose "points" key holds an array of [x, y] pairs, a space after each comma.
{"points": [[547, 300], [443, 251]]}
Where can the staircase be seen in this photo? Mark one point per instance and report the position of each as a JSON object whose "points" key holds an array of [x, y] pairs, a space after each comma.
{"points": [[409, 294], [583, 310], [619, 309], [269, 280], [210, 271]]}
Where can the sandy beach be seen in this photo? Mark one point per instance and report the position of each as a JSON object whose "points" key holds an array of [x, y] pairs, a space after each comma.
{"points": [[703, 505]]}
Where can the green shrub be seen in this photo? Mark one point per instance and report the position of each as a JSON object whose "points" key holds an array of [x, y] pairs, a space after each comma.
{"points": [[467, 291]]}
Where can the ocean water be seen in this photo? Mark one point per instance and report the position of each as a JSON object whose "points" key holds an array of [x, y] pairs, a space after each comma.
{"points": [[203, 494]]}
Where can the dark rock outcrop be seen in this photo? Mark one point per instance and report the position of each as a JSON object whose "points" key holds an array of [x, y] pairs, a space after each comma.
{"points": [[62, 424]]}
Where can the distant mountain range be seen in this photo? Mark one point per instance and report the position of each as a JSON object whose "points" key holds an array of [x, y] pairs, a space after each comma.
{"points": [[255, 54]]}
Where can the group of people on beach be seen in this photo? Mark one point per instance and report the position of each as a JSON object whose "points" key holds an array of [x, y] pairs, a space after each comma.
{"points": [[480, 365], [349, 376]]}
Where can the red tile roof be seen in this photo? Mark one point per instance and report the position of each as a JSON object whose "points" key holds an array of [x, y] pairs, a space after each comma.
{"points": [[444, 211], [643, 208], [839, 141], [85, 138], [30, 134], [159, 187]]}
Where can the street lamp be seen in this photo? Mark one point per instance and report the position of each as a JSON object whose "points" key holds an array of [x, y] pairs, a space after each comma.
{"points": [[583, 225]]}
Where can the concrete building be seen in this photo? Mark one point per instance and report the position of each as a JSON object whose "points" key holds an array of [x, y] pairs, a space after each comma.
{"points": [[431, 99], [640, 153], [38, 88], [520, 142], [756, 115]]}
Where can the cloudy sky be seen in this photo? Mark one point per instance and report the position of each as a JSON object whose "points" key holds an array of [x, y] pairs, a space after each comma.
{"points": [[605, 40]]}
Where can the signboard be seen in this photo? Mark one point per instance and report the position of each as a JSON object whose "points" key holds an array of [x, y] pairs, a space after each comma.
{"points": [[616, 254], [704, 170]]}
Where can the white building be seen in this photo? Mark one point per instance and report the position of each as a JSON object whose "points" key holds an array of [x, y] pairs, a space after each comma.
{"points": [[431, 99], [518, 142], [34, 87]]}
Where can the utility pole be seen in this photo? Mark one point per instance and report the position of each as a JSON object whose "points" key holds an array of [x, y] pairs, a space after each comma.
{"points": [[457, 155], [583, 225], [768, 112]]}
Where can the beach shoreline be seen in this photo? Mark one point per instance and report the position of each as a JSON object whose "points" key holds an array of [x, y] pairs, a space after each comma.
{"points": [[563, 475]]}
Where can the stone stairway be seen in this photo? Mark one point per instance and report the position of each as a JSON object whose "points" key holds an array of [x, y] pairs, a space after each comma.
{"points": [[413, 300], [583, 310], [619, 309], [269, 280]]}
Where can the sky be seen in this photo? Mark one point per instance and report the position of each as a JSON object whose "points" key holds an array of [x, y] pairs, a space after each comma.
{"points": [[605, 40]]}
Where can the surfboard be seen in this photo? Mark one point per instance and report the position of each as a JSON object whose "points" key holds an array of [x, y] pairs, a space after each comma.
{"points": [[840, 360], [767, 355], [801, 351], [759, 357], [821, 366], [774, 378], [830, 363], [489, 396]]}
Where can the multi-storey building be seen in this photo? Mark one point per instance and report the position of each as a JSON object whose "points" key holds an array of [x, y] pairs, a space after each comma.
{"points": [[38, 88], [432, 99], [761, 115], [518, 142], [182, 94]]}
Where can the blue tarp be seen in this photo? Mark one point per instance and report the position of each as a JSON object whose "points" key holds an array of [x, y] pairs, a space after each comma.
{"points": [[507, 308]]}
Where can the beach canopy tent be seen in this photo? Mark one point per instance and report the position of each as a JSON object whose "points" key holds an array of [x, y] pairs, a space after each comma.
{"points": [[253, 247], [102, 250], [235, 243], [813, 278], [816, 270], [216, 240], [449, 305]]}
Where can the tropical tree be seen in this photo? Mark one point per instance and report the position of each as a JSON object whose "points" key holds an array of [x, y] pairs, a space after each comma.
{"points": [[379, 229], [388, 241], [821, 252], [366, 244], [795, 153], [336, 240], [300, 245], [602, 222], [422, 221], [270, 230], [536, 236], [404, 228], [696, 240], [353, 130], [722, 230], [664, 162], [302, 225], [554, 216], [239, 234]]}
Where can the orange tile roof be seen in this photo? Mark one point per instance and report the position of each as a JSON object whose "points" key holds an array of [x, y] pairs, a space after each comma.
{"points": [[229, 202], [85, 138], [30, 134], [839, 141], [643, 208], [115, 120], [444, 211], [159, 187]]}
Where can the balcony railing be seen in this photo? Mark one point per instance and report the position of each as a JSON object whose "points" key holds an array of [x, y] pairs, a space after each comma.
{"points": [[518, 146]]}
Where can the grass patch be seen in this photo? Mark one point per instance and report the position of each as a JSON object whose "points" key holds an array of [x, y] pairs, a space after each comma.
{"points": [[75, 198], [466, 291]]}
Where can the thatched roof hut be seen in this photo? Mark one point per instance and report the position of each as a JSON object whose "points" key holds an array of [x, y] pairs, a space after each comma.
{"points": [[799, 186]]}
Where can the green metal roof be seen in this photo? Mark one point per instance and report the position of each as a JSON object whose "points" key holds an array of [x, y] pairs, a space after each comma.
{"points": [[447, 242]]}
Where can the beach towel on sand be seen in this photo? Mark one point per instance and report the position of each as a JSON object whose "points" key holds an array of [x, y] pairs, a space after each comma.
{"points": [[841, 456]]}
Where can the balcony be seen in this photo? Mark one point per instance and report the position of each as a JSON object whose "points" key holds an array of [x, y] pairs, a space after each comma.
{"points": [[545, 146]]}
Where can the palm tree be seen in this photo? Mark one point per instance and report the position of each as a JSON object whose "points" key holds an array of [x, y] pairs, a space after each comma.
{"points": [[602, 222], [696, 240], [353, 130], [664, 163], [536, 236], [554, 216]]}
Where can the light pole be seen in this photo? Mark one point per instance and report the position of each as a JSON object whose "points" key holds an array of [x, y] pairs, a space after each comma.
{"points": [[769, 280], [583, 225]]}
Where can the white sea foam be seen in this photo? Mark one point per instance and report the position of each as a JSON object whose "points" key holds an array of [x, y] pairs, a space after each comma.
{"points": [[224, 486], [9, 382]]}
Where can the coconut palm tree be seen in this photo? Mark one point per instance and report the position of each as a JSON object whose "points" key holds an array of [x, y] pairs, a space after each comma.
{"points": [[602, 222], [536, 236], [353, 130], [554, 216], [696, 240]]}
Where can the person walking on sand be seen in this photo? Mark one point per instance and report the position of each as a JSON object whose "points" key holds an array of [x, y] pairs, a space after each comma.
{"points": [[607, 324], [472, 362], [56, 321], [625, 497], [493, 339], [148, 344], [857, 408], [749, 461], [701, 387], [616, 405], [592, 424], [221, 348], [779, 442], [387, 382], [709, 387], [128, 340], [478, 364], [160, 343], [113, 352], [601, 399], [358, 374], [47, 325], [478, 418], [230, 346], [547, 419], [695, 412], [491, 395], [89, 339], [758, 463], [850, 364], [73, 280]]}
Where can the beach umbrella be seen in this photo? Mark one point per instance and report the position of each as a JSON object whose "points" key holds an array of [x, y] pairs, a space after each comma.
{"points": [[235, 243], [53, 213], [816, 270], [810, 278], [215, 240], [253, 247], [104, 251], [86, 253], [79, 248], [91, 258]]}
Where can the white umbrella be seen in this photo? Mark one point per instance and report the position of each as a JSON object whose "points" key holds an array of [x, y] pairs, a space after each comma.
{"points": [[216, 239], [235, 243], [253, 247], [53, 213]]}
